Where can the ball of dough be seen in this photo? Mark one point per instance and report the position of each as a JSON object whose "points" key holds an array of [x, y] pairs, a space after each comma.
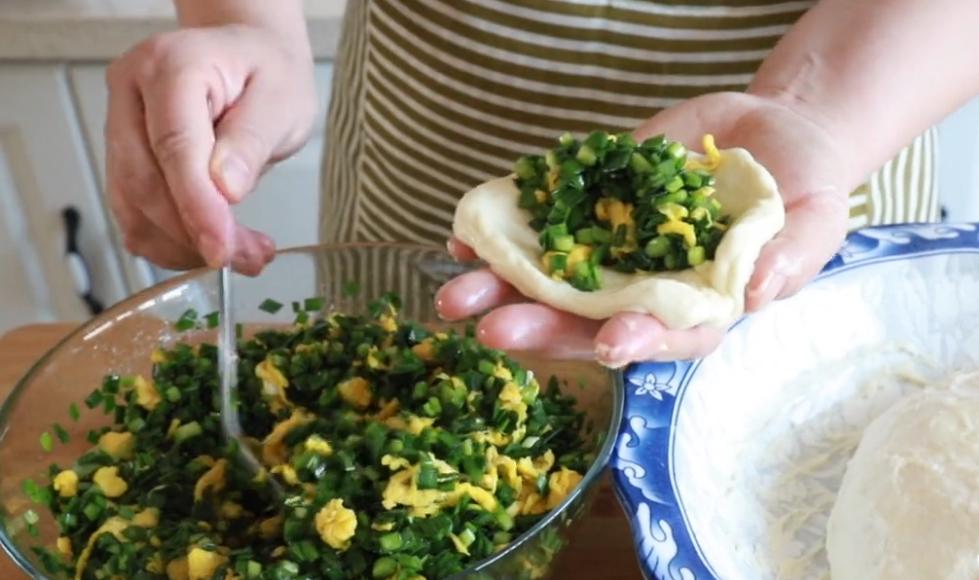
{"points": [[908, 507]]}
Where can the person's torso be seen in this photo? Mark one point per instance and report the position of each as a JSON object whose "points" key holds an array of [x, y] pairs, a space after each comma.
{"points": [[435, 96]]}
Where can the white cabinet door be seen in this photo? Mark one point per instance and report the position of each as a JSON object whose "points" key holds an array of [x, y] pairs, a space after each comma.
{"points": [[286, 202], [43, 172]]}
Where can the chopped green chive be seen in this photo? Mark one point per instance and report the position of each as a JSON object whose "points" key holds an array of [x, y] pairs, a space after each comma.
{"points": [[270, 306], [74, 412], [61, 433], [47, 442], [187, 321]]}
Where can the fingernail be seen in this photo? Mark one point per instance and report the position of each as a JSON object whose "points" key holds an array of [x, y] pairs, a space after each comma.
{"points": [[211, 250], [235, 176], [452, 246], [767, 290]]}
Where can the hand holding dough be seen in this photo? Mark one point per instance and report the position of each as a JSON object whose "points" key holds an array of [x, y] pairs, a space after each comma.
{"points": [[489, 221]]}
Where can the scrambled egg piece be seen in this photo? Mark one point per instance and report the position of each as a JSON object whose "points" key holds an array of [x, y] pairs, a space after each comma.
{"points": [[501, 372], [680, 228], [274, 449], [108, 480], [479, 495], [231, 510], [530, 469], [561, 484], [201, 563], [148, 518], [271, 527], [356, 392], [388, 322], [63, 544], [158, 357], [402, 489], [178, 569], [579, 253], [274, 384], [213, 480], [492, 437], [511, 399], [388, 410], [115, 526], [287, 472], [118, 445], [66, 483], [425, 350], [147, 396], [395, 463], [336, 524], [674, 211], [506, 467], [414, 425], [318, 445], [713, 156], [617, 213]]}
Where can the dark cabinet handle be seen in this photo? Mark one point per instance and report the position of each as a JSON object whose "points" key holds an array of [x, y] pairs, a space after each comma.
{"points": [[77, 265]]}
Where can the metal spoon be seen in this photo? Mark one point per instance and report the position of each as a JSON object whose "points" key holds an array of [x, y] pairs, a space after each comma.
{"points": [[228, 373]]}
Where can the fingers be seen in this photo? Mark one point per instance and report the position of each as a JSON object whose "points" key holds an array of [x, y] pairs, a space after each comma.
{"points": [[253, 133], [629, 336], [178, 120], [460, 251], [472, 294], [814, 228], [131, 169], [538, 328]]}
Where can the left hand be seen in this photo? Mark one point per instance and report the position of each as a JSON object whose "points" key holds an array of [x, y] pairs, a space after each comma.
{"points": [[814, 175]]}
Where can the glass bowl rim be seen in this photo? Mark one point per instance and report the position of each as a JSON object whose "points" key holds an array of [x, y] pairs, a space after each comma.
{"points": [[603, 453]]}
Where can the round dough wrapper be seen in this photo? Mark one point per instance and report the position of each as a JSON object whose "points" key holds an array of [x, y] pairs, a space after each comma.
{"points": [[908, 507], [489, 221]]}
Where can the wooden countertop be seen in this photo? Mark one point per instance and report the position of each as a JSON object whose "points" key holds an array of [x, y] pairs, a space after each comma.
{"points": [[602, 549]]}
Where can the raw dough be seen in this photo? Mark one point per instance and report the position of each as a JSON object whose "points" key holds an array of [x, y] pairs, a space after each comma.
{"points": [[908, 507], [489, 221]]}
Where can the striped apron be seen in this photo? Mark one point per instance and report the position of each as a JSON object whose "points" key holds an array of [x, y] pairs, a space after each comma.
{"points": [[432, 97]]}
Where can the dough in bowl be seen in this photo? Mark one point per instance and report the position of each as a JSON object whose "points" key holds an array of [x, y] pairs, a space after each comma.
{"points": [[489, 220], [908, 507]]}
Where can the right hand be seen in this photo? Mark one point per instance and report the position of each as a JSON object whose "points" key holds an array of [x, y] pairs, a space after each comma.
{"points": [[195, 117]]}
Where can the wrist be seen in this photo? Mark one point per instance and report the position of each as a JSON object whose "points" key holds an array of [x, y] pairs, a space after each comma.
{"points": [[283, 20]]}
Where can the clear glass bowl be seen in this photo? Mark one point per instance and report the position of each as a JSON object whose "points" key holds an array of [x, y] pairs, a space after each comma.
{"points": [[122, 338]]}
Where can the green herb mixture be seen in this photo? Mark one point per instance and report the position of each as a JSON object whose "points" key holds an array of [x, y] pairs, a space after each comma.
{"points": [[405, 454], [609, 201]]}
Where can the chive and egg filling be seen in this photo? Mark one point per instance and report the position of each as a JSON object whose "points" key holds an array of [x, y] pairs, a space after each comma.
{"points": [[405, 454], [608, 201]]}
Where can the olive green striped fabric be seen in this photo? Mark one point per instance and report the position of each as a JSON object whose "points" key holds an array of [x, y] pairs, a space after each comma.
{"points": [[432, 97]]}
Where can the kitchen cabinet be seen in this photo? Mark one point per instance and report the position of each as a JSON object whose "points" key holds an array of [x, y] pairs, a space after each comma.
{"points": [[44, 171]]}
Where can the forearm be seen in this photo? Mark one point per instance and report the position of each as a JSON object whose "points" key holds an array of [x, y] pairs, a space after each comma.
{"points": [[284, 17], [876, 73]]}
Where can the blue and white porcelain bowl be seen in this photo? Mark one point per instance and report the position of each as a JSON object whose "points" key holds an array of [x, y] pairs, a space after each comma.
{"points": [[728, 467]]}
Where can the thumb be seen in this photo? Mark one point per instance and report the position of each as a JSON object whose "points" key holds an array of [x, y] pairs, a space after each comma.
{"points": [[246, 138], [815, 226]]}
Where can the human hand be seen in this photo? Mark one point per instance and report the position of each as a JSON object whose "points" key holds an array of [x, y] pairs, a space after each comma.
{"points": [[195, 117], [814, 175]]}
